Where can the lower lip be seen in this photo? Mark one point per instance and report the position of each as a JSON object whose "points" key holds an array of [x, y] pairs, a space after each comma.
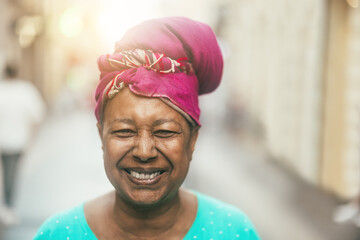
{"points": [[145, 181]]}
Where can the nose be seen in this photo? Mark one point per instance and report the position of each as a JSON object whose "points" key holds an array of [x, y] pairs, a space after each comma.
{"points": [[145, 149]]}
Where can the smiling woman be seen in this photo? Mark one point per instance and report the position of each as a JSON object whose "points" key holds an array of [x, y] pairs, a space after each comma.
{"points": [[148, 122]]}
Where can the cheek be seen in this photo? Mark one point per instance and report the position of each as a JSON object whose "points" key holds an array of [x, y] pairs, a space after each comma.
{"points": [[176, 151], [174, 147], [115, 149]]}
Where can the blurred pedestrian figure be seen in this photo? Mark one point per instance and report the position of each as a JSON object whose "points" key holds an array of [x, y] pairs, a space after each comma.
{"points": [[21, 111]]}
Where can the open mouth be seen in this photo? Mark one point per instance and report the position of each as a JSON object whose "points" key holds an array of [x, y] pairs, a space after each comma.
{"points": [[144, 175]]}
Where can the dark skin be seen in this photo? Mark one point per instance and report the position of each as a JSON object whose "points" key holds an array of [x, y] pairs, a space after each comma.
{"points": [[144, 135]]}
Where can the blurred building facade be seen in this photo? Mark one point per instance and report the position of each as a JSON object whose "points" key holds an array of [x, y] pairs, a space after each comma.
{"points": [[32, 37], [340, 145], [24, 40], [278, 59], [295, 67]]}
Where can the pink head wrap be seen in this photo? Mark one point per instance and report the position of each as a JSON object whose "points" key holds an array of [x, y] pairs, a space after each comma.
{"points": [[175, 59]]}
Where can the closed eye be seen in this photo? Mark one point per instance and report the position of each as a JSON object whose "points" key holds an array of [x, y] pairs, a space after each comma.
{"points": [[165, 133], [124, 133]]}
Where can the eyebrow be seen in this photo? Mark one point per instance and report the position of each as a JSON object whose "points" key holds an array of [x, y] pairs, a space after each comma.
{"points": [[162, 121], [123, 120], [132, 122]]}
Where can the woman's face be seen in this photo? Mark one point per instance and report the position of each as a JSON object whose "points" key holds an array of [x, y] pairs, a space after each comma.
{"points": [[147, 148]]}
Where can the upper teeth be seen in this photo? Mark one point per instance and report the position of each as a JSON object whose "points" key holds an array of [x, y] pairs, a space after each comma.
{"points": [[144, 176]]}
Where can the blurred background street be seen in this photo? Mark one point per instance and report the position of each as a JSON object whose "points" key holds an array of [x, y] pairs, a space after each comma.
{"points": [[280, 137]]}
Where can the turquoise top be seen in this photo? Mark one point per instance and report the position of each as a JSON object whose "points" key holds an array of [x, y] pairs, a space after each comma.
{"points": [[214, 220]]}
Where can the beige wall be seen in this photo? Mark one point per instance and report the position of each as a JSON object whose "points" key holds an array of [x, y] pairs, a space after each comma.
{"points": [[2, 33], [296, 67], [350, 161], [334, 142], [276, 65], [352, 134], [340, 172]]}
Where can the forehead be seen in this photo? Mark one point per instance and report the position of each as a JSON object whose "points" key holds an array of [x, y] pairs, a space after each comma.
{"points": [[140, 109]]}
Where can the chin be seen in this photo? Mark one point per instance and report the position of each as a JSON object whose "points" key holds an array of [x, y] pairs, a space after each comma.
{"points": [[147, 198]]}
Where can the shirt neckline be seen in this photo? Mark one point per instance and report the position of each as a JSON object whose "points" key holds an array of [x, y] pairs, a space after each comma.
{"points": [[191, 230]]}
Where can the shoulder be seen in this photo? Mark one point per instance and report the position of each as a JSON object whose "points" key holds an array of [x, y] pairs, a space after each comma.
{"points": [[69, 224], [221, 220], [224, 211]]}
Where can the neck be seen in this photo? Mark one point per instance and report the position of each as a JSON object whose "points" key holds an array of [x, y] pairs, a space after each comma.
{"points": [[146, 221]]}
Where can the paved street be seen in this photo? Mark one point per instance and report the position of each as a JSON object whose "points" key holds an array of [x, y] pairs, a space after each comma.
{"points": [[64, 168]]}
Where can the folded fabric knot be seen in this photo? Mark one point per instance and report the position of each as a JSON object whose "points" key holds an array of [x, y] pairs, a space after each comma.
{"points": [[126, 59], [148, 59]]}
